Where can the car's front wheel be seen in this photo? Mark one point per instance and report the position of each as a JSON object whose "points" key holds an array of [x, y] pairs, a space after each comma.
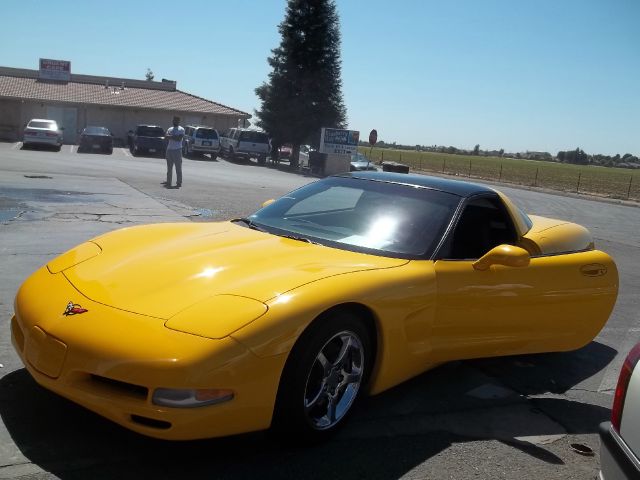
{"points": [[324, 375]]}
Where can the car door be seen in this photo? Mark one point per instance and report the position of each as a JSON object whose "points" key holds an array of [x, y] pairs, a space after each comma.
{"points": [[555, 303]]}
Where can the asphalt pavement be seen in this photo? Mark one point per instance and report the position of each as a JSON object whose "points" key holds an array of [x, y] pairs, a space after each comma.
{"points": [[513, 417]]}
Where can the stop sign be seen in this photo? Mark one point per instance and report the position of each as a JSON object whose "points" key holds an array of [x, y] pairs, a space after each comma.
{"points": [[373, 137]]}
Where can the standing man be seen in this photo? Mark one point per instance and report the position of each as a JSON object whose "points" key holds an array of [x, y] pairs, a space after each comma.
{"points": [[174, 152]]}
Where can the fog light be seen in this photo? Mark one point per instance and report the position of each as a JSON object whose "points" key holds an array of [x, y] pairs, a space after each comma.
{"points": [[190, 398]]}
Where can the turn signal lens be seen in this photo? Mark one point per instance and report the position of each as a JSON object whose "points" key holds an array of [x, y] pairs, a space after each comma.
{"points": [[190, 398]]}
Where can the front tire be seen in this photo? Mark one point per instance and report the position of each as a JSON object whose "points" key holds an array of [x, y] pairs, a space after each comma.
{"points": [[323, 378]]}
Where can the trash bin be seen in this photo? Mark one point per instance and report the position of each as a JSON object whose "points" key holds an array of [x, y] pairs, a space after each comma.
{"points": [[395, 167]]}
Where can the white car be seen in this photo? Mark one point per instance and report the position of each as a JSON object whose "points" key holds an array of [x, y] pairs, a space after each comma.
{"points": [[200, 140], [620, 438], [240, 143], [42, 131]]}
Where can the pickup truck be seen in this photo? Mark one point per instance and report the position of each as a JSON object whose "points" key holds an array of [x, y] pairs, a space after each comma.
{"points": [[147, 139]]}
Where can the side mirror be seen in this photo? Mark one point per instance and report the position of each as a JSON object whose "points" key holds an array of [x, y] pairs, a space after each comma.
{"points": [[267, 203], [506, 255]]}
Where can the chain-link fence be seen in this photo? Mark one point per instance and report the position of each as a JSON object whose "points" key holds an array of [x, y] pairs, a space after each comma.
{"points": [[608, 182]]}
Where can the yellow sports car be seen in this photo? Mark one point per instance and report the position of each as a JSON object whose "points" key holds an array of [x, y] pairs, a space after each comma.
{"points": [[346, 286]]}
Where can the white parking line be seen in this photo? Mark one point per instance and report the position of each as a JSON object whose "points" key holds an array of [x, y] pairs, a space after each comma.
{"points": [[71, 147], [16, 145], [126, 152]]}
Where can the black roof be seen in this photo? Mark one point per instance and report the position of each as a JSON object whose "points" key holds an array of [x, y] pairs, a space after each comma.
{"points": [[456, 187]]}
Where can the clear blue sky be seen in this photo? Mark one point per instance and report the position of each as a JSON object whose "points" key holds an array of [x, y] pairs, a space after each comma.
{"points": [[547, 75]]}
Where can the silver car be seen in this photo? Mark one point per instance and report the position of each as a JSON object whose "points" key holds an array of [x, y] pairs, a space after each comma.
{"points": [[42, 131], [620, 438]]}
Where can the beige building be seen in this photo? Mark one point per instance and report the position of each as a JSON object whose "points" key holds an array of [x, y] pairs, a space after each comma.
{"points": [[116, 103]]}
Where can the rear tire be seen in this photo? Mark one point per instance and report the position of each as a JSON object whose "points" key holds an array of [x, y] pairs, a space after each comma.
{"points": [[323, 378]]}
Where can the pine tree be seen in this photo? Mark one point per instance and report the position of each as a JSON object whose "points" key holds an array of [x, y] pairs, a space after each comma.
{"points": [[304, 91]]}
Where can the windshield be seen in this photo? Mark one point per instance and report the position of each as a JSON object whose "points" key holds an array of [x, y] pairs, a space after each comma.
{"points": [[43, 124], [150, 132], [254, 137], [96, 131], [363, 215], [209, 133]]}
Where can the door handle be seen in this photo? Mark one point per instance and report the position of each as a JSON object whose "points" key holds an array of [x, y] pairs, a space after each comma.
{"points": [[593, 270]]}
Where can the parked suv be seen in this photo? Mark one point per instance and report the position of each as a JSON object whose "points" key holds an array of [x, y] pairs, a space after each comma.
{"points": [[147, 138], [200, 140], [246, 144]]}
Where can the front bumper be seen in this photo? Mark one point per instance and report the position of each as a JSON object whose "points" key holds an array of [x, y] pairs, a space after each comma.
{"points": [[111, 361], [617, 461]]}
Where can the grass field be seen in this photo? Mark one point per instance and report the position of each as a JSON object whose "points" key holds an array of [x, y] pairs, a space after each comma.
{"points": [[609, 182]]}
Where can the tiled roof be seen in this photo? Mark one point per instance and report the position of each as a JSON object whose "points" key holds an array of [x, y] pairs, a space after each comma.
{"points": [[23, 84]]}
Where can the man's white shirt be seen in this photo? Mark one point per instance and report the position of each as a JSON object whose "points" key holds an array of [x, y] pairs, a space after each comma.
{"points": [[174, 144]]}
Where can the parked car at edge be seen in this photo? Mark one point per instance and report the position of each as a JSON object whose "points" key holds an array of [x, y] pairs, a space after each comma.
{"points": [[240, 143], [41, 131], [620, 438], [346, 286], [147, 139], [361, 162], [303, 156], [285, 152], [95, 138], [200, 140]]}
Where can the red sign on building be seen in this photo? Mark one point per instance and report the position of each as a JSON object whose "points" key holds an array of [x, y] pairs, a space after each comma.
{"points": [[55, 70]]}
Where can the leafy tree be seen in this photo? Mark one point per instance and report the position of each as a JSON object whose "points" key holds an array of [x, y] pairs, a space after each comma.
{"points": [[304, 90], [577, 156], [149, 75], [476, 149]]}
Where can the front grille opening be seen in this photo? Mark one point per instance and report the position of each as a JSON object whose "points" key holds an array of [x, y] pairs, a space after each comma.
{"points": [[151, 422], [122, 387]]}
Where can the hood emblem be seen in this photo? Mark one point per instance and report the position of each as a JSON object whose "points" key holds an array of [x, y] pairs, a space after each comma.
{"points": [[74, 309]]}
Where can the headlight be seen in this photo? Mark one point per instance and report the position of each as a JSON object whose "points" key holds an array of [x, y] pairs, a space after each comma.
{"points": [[190, 398], [218, 316]]}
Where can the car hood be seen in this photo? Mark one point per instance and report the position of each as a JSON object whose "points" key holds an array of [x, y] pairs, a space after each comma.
{"points": [[160, 270]]}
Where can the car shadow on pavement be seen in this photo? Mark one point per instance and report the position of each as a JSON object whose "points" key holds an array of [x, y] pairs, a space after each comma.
{"points": [[389, 435], [201, 158]]}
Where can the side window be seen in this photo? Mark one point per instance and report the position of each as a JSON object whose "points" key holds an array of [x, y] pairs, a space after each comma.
{"points": [[483, 225]]}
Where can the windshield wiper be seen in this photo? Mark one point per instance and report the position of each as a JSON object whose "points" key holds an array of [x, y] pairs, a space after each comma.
{"points": [[300, 239], [249, 223]]}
